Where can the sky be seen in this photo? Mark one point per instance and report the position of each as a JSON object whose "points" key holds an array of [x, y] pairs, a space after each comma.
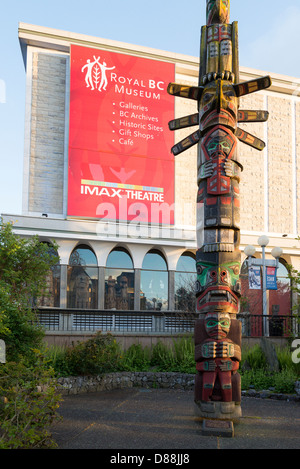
{"points": [[268, 41]]}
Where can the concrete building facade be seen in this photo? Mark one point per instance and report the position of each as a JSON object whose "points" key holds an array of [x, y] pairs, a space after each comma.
{"points": [[270, 190]]}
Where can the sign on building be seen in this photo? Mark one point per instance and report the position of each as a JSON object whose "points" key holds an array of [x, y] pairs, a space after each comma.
{"points": [[120, 164], [271, 282]]}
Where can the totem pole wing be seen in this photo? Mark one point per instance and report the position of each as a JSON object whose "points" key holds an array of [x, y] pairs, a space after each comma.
{"points": [[252, 86], [186, 143], [252, 116], [185, 91], [183, 122], [249, 139]]}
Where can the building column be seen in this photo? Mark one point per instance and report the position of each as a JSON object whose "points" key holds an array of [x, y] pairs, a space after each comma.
{"points": [[63, 286], [137, 289], [101, 287], [171, 290]]}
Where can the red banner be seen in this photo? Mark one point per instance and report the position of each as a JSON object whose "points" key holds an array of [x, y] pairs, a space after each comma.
{"points": [[120, 163]]}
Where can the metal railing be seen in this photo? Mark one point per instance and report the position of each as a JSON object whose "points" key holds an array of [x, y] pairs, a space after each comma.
{"points": [[75, 320], [161, 322], [277, 326]]}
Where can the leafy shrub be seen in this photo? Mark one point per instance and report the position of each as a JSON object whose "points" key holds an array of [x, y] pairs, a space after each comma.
{"points": [[55, 357], [284, 355], [24, 265], [100, 354], [284, 382], [258, 379], [28, 406], [254, 358], [162, 356], [135, 358], [176, 358]]}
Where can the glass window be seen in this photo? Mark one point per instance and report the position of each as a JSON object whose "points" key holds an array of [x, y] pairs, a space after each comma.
{"points": [[280, 299], [185, 278], [251, 298], [119, 281], [154, 282], [83, 255], [82, 279], [51, 295]]}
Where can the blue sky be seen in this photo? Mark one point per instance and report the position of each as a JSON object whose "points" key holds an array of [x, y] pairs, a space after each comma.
{"points": [[268, 41]]}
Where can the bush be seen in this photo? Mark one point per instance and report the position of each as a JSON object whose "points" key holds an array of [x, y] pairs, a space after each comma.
{"points": [[284, 382], [28, 406], [284, 355], [135, 358], [24, 266], [100, 354], [176, 358], [56, 359], [254, 358], [258, 379]]}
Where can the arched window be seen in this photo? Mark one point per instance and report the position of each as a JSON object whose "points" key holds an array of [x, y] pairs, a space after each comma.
{"points": [[251, 292], [154, 282], [185, 278], [280, 299], [119, 281], [51, 296], [82, 279]]}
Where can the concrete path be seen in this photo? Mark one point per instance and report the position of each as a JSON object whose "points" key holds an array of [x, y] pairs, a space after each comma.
{"points": [[157, 419]]}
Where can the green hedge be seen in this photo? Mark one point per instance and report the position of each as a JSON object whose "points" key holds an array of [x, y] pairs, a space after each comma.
{"points": [[103, 354]]}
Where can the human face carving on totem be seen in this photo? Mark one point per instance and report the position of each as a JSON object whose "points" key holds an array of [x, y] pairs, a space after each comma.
{"points": [[219, 143], [218, 105], [217, 325], [224, 275], [217, 11]]}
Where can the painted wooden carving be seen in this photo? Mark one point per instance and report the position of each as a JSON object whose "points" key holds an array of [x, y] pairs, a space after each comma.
{"points": [[218, 260]]}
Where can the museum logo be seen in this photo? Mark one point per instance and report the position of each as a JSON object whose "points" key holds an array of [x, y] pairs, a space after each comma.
{"points": [[95, 74]]}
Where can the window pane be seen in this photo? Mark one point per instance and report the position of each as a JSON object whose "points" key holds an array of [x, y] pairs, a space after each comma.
{"points": [[51, 294], [185, 299], [282, 272], [186, 263], [119, 289], [154, 290], [154, 261], [119, 258], [83, 255], [280, 299], [82, 287]]}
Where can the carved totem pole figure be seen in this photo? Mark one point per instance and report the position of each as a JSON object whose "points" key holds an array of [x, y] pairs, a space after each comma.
{"points": [[218, 259]]}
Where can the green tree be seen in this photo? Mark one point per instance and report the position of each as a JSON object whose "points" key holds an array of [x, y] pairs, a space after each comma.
{"points": [[294, 276], [24, 265]]}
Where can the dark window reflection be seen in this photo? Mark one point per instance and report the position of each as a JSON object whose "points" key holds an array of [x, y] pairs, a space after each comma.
{"points": [[83, 279], [185, 278], [119, 281], [51, 295], [154, 282], [279, 300]]}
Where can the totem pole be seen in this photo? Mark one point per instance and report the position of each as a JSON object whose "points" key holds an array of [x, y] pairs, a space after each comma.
{"points": [[218, 260]]}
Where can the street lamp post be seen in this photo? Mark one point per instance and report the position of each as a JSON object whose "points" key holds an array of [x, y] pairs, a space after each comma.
{"points": [[276, 252]]}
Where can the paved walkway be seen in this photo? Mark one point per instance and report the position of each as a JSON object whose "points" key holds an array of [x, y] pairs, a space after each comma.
{"points": [[158, 419]]}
